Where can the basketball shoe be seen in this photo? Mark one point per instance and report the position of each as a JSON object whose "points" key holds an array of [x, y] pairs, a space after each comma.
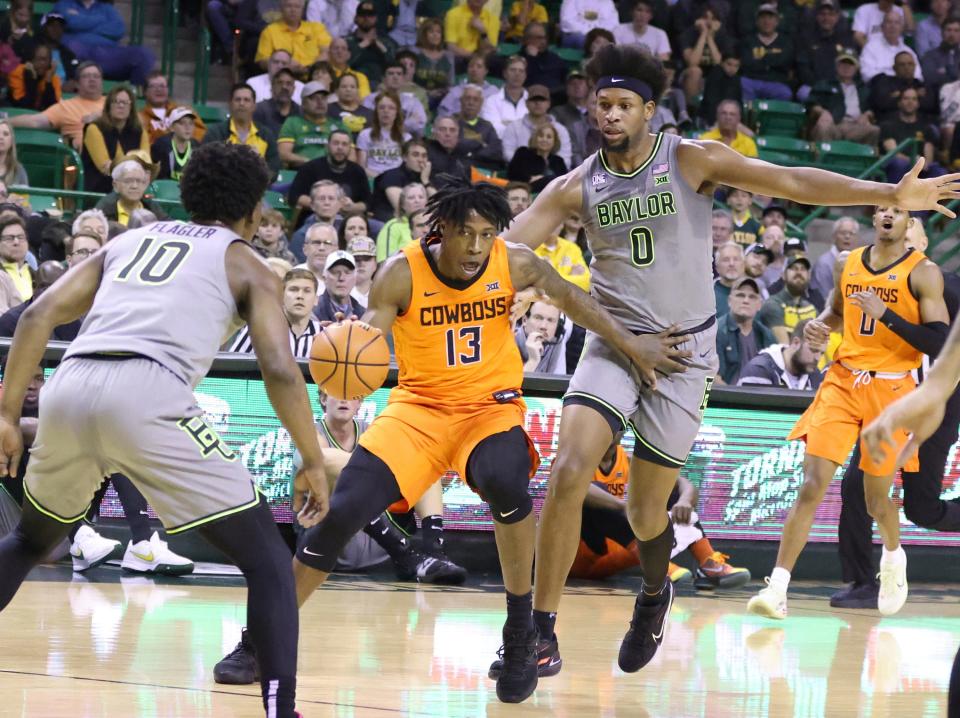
{"points": [[893, 587], [715, 572], [549, 662], [416, 566], [647, 628], [856, 595], [677, 573], [239, 667], [456, 574], [518, 672], [770, 602], [90, 549], [154, 556]]}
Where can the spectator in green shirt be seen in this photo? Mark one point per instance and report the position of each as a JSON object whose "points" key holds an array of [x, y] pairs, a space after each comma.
{"points": [[305, 137]]}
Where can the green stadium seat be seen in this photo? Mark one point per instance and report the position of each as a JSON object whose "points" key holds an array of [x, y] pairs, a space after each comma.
{"points": [[278, 202], [508, 48], [849, 158], [776, 117], [43, 202], [796, 151], [572, 55], [285, 176], [167, 189], [45, 155], [210, 114]]}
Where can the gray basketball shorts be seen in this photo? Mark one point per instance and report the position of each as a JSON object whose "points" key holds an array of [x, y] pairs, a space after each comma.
{"points": [[132, 416], [665, 421]]}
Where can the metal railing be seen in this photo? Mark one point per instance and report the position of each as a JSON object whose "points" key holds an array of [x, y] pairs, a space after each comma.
{"points": [[202, 74], [85, 198], [137, 19], [171, 23]]}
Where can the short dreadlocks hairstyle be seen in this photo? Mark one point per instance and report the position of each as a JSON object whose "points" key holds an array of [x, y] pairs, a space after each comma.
{"points": [[453, 203], [223, 183]]}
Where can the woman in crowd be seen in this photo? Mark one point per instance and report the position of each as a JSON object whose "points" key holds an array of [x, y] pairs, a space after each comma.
{"points": [[11, 171], [108, 138], [347, 108], [378, 146], [538, 163], [595, 39], [354, 224], [397, 233], [434, 61]]}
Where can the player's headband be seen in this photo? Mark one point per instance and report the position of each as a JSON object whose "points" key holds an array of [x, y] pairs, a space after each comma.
{"points": [[626, 83]]}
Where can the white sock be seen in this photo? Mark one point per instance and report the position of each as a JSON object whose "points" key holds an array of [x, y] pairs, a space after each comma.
{"points": [[780, 579], [896, 557]]}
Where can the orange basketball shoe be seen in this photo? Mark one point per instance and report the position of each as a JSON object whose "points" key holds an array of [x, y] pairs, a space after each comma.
{"points": [[715, 572]]}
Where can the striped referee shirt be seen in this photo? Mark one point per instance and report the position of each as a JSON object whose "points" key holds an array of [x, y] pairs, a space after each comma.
{"points": [[299, 345]]}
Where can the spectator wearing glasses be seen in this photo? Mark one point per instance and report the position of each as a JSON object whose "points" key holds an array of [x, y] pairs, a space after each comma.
{"points": [[47, 273], [130, 182], [16, 279], [158, 108], [320, 242], [35, 85], [111, 136]]}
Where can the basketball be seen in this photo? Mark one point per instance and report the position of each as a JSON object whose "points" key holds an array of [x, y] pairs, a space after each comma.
{"points": [[349, 360]]}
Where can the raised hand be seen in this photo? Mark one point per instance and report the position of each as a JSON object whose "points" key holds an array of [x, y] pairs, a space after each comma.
{"points": [[920, 195]]}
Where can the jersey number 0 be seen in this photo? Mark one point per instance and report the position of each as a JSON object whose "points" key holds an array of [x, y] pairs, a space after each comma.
{"points": [[157, 264], [641, 246]]}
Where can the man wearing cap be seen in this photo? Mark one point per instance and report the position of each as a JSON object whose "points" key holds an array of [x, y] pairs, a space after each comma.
{"points": [[641, 32], [172, 150], [727, 130], [261, 83], [305, 137], [818, 46], [94, 31], [767, 59], [156, 112], [69, 116], [271, 114], [728, 261], [131, 177], [544, 67], [756, 259], [240, 129], [414, 114], [306, 41], [364, 251], [740, 335], [517, 134], [369, 52], [839, 107], [788, 366], [339, 278], [478, 138], [796, 247], [846, 236], [65, 62], [790, 306]]}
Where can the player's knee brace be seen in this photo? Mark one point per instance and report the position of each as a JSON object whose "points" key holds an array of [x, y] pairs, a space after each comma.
{"points": [[499, 469], [365, 489]]}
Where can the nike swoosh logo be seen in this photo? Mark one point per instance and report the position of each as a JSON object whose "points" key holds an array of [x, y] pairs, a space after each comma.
{"points": [[430, 294], [549, 660], [148, 557], [311, 553], [616, 80], [504, 515]]}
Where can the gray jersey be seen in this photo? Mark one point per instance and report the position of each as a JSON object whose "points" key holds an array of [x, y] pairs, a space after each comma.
{"points": [[164, 295], [650, 236]]}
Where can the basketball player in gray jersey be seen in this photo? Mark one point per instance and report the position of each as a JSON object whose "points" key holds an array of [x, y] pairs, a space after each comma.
{"points": [[645, 202], [159, 301]]}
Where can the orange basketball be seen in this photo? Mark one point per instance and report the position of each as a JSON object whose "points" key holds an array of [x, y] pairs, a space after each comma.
{"points": [[349, 360]]}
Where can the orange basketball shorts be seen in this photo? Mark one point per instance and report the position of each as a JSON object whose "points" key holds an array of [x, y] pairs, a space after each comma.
{"points": [[421, 442], [841, 408]]}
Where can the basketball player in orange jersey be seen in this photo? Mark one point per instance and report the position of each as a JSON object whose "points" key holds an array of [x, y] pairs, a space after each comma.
{"points": [[457, 405], [871, 370]]}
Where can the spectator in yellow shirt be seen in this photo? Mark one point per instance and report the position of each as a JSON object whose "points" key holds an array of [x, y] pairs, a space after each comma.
{"points": [[471, 28], [306, 41], [566, 257], [521, 13], [727, 130]]}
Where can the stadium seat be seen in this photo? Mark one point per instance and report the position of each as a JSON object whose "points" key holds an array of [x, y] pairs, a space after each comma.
{"points": [[776, 117], [849, 158], [572, 55], [285, 176], [167, 189], [46, 155], [278, 202], [210, 114], [508, 48], [796, 152]]}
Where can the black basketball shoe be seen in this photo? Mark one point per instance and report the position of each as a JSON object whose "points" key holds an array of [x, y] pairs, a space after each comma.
{"points": [[239, 667], [416, 566], [518, 672], [647, 627], [856, 595], [453, 574], [549, 662]]}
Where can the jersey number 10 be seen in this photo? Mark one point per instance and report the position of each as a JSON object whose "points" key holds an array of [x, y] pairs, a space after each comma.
{"points": [[158, 263]]}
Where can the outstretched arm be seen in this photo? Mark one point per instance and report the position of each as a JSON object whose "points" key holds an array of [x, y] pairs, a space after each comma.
{"points": [[553, 206], [709, 162], [649, 352]]}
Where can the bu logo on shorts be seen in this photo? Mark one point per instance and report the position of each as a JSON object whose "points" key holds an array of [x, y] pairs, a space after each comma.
{"points": [[206, 437]]}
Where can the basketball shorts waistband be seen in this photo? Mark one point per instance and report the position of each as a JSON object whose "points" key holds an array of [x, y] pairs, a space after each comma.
{"points": [[693, 330]]}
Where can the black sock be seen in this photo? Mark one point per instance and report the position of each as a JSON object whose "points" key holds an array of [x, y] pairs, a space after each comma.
{"points": [[546, 622], [134, 507], [432, 527], [519, 611], [390, 538], [250, 538], [655, 558]]}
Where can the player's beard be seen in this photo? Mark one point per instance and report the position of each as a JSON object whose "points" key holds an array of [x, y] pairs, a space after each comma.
{"points": [[621, 146]]}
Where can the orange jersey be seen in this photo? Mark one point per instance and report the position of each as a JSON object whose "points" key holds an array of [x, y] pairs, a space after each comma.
{"points": [[867, 343], [616, 481], [454, 344]]}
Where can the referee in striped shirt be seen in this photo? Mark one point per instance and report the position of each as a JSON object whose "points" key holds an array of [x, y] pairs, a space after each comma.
{"points": [[299, 297]]}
